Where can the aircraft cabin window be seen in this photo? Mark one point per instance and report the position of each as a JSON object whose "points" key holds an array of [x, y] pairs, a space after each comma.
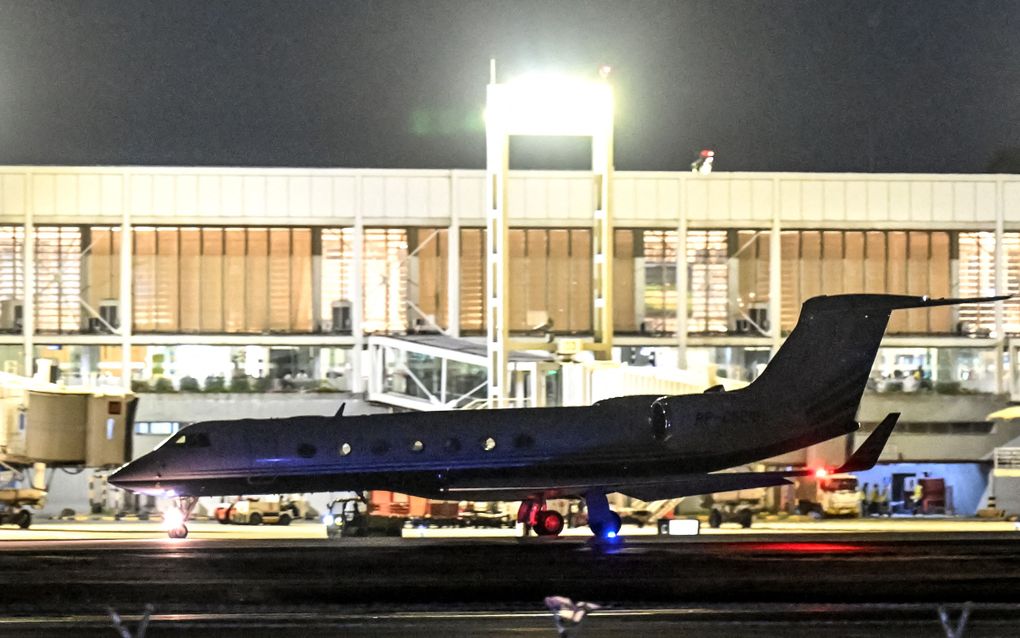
{"points": [[417, 446], [345, 449], [306, 450], [489, 444], [523, 441], [452, 445]]}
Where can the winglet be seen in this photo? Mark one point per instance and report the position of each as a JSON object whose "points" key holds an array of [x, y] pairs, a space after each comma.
{"points": [[867, 455], [340, 412]]}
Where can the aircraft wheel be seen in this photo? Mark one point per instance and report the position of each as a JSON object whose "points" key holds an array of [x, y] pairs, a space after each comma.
{"points": [[178, 532], [606, 529], [715, 518], [255, 519], [23, 519], [746, 517], [549, 523], [616, 523], [284, 519]]}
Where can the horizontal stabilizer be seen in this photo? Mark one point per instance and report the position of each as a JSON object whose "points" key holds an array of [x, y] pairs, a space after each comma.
{"points": [[927, 302], [866, 302], [867, 455]]}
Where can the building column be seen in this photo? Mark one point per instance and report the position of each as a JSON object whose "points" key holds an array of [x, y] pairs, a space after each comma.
{"points": [[453, 260], [125, 310], [357, 283], [1002, 375], [497, 306], [775, 273], [602, 242], [28, 288], [682, 284]]}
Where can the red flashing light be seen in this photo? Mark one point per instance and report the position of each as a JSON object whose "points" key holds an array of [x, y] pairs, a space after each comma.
{"points": [[821, 472]]}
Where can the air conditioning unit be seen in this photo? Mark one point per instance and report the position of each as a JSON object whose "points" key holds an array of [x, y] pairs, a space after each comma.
{"points": [[342, 313], [11, 315]]}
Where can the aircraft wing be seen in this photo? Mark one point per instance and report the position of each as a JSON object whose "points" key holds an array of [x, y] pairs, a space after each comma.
{"points": [[867, 455], [864, 458], [707, 484]]}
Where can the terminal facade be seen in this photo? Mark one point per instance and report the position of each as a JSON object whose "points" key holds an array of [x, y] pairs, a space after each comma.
{"points": [[258, 286]]}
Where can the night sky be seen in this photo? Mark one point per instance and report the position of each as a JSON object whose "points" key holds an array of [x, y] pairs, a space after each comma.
{"points": [[889, 86]]}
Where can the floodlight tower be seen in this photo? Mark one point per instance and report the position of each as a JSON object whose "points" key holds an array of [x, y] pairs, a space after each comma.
{"points": [[545, 106]]}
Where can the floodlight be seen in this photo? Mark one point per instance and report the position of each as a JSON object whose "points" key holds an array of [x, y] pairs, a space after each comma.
{"points": [[550, 105]]}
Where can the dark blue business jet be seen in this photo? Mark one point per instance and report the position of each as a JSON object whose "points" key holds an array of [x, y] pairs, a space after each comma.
{"points": [[647, 447]]}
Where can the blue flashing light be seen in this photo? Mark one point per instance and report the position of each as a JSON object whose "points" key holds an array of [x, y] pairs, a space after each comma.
{"points": [[610, 534]]}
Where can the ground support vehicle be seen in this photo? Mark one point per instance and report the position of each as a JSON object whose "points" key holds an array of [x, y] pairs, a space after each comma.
{"points": [[252, 511], [350, 517], [13, 502], [438, 514], [835, 495], [737, 506], [491, 516]]}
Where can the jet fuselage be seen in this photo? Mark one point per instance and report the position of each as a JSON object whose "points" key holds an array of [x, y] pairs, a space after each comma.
{"points": [[481, 454]]}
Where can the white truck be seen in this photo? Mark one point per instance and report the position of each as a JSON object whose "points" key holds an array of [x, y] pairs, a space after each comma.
{"points": [[834, 495]]}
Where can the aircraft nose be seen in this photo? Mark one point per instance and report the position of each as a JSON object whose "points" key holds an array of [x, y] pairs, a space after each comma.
{"points": [[136, 475]]}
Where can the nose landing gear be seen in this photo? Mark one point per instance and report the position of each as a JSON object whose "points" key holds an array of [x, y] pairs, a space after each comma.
{"points": [[175, 517]]}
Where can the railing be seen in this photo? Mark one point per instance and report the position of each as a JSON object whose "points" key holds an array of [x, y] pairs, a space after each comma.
{"points": [[485, 404]]}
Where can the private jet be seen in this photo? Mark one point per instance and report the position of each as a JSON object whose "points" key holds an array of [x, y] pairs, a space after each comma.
{"points": [[648, 447]]}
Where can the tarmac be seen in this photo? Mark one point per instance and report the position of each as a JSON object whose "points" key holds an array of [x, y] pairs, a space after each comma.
{"points": [[790, 578]]}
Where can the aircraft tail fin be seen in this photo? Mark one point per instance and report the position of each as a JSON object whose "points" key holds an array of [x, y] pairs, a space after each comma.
{"points": [[867, 455], [825, 363]]}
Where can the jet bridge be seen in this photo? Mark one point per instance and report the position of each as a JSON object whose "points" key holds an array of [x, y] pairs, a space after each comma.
{"points": [[436, 372]]}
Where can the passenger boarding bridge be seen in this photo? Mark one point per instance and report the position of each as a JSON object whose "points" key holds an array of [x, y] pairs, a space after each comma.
{"points": [[436, 372]]}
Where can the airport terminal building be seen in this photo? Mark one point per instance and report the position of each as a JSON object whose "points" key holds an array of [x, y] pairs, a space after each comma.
{"points": [[273, 292]]}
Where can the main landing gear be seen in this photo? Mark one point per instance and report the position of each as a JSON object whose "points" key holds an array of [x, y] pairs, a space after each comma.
{"points": [[604, 523], [534, 515], [175, 517]]}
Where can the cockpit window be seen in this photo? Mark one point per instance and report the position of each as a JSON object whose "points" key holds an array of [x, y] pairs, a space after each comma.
{"points": [[192, 439]]}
